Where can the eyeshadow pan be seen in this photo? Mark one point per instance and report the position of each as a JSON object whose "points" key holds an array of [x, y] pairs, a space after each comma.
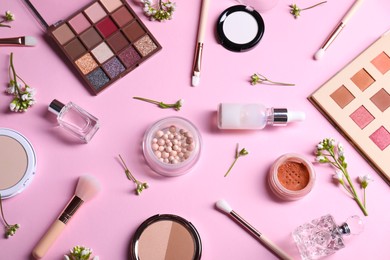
{"points": [[90, 38], [382, 62], [98, 78], [362, 79], [145, 45], [113, 67], [381, 138], [102, 52], [86, 63], [111, 5], [129, 57], [79, 23], [75, 49], [95, 12], [133, 31], [63, 34], [381, 99], [362, 117], [342, 96], [106, 27], [117, 42], [122, 16]]}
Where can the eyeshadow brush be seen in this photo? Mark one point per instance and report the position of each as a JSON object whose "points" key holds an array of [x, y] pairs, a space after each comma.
{"points": [[87, 187], [225, 207], [21, 41], [320, 53]]}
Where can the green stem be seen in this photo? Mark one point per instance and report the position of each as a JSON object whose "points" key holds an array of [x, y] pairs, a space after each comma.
{"points": [[2, 213], [364, 197], [314, 5], [127, 171], [11, 60], [147, 100], [231, 166]]}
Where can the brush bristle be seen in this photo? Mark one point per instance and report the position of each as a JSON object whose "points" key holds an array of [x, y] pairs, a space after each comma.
{"points": [[30, 41], [224, 206], [195, 80], [87, 187], [319, 54]]}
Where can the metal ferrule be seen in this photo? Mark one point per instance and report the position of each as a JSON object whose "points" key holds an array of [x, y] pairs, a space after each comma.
{"points": [[198, 59], [280, 116], [70, 209], [333, 36]]}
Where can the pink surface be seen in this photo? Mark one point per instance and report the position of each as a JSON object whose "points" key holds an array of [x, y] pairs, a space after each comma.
{"points": [[108, 222]]}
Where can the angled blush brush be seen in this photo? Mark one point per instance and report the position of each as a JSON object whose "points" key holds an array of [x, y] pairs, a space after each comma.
{"points": [[87, 188]]}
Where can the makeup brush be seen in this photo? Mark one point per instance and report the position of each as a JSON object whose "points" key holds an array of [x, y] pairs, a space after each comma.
{"points": [[21, 41], [320, 53], [87, 188], [225, 207]]}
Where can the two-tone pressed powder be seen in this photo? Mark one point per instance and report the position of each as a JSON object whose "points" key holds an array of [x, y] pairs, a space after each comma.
{"points": [[165, 237], [104, 41], [17, 163]]}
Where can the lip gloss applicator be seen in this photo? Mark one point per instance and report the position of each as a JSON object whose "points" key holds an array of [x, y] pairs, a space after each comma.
{"points": [[199, 43], [87, 187], [225, 207], [320, 53]]}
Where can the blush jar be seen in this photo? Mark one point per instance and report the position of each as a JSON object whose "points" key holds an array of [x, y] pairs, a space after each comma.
{"points": [[291, 177], [172, 146]]}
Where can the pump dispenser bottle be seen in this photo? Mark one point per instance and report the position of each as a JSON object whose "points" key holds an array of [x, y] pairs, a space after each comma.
{"points": [[254, 116]]}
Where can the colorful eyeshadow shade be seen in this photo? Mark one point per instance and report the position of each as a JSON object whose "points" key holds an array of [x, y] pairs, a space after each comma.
{"points": [[98, 78], [382, 62], [102, 52], [133, 31], [86, 63], [381, 138], [75, 49], [381, 99], [145, 45], [95, 12], [63, 34], [129, 57], [117, 42], [362, 79], [90, 38], [111, 5], [79, 23], [106, 27], [122, 16], [362, 117], [342, 96], [113, 67]]}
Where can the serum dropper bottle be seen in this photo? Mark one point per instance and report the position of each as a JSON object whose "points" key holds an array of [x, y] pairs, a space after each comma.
{"points": [[75, 119], [254, 116]]}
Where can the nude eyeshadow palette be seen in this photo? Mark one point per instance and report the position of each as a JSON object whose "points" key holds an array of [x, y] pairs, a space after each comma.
{"points": [[104, 41], [357, 101]]}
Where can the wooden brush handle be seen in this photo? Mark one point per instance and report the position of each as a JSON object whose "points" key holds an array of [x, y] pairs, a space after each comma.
{"points": [[274, 248], [48, 239]]}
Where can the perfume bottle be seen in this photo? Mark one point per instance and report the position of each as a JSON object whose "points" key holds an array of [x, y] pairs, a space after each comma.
{"points": [[254, 116], [322, 237], [75, 120]]}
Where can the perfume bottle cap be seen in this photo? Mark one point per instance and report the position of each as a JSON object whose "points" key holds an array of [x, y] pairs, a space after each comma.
{"points": [[55, 106], [353, 225]]}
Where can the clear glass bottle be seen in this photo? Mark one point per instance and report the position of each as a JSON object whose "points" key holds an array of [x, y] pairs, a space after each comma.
{"points": [[322, 236], [254, 116], [75, 120]]}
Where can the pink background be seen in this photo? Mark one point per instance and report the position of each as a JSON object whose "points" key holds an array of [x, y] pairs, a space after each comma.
{"points": [[107, 223]]}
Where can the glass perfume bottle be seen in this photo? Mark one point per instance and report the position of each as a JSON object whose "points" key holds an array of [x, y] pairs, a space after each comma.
{"points": [[75, 120], [322, 237]]}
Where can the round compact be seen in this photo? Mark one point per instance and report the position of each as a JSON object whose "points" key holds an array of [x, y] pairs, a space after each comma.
{"points": [[166, 237], [17, 163], [172, 146], [240, 28], [291, 177]]}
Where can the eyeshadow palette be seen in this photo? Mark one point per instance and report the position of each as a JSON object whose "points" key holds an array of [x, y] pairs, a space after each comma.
{"points": [[104, 41], [357, 101]]}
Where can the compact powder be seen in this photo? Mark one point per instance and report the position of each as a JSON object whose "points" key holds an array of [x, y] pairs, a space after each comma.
{"points": [[17, 162], [166, 237], [293, 175]]}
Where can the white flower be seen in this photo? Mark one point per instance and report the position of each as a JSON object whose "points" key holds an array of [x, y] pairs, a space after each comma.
{"points": [[24, 96], [95, 258], [320, 158], [86, 251], [332, 142], [11, 89], [66, 257], [9, 16], [320, 146], [339, 176], [365, 180], [181, 101], [12, 106]]}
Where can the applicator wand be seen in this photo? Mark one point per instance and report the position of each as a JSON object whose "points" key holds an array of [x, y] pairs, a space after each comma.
{"points": [[87, 188], [225, 207]]}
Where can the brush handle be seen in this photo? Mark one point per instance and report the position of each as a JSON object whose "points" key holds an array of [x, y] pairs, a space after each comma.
{"points": [[274, 248], [351, 11], [48, 239], [12, 41], [203, 20]]}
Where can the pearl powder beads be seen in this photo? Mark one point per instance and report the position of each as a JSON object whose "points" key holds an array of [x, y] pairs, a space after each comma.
{"points": [[172, 146]]}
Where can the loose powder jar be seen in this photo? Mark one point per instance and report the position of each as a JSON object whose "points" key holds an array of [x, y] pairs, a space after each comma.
{"points": [[172, 146], [166, 237], [291, 177]]}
